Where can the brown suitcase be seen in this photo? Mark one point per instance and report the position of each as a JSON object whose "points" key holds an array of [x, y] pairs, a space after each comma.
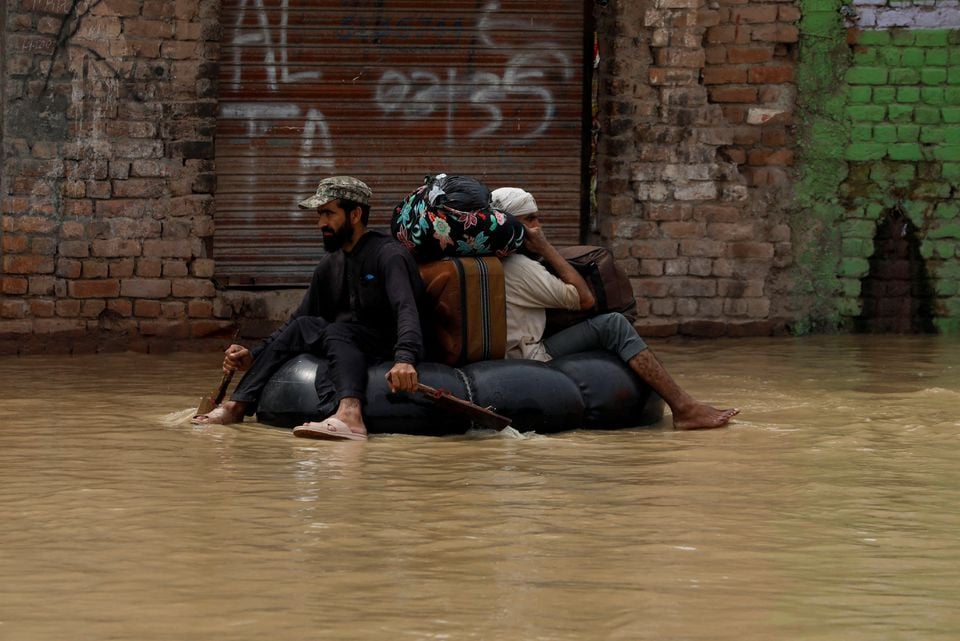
{"points": [[468, 322]]}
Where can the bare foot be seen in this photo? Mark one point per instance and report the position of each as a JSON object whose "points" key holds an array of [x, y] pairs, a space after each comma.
{"points": [[225, 414], [702, 417]]}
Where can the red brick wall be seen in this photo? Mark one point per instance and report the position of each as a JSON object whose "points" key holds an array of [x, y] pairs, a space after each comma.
{"points": [[109, 111], [108, 181], [695, 158]]}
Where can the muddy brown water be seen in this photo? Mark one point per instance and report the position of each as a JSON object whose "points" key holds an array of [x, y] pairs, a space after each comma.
{"points": [[828, 510]]}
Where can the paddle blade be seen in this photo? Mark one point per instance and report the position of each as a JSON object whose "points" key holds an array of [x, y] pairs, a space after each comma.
{"points": [[207, 405]]}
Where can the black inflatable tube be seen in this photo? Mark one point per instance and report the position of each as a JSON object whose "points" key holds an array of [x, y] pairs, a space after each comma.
{"points": [[592, 390]]}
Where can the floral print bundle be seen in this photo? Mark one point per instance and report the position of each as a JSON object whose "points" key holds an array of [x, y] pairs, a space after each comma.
{"points": [[453, 216]]}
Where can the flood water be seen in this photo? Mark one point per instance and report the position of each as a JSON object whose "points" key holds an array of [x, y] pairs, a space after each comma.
{"points": [[828, 510]]}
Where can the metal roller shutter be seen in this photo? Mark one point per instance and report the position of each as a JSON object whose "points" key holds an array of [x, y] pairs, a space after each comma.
{"points": [[388, 92]]}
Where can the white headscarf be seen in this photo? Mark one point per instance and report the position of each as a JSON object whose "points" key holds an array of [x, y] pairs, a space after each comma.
{"points": [[513, 200]]}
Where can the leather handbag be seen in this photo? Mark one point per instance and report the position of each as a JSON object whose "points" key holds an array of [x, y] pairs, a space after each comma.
{"points": [[609, 283]]}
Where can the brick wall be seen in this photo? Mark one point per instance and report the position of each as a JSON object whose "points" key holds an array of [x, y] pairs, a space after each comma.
{"points": [[903, 102], [109, 110], [695, 158], [879, 93], [747, 153]]}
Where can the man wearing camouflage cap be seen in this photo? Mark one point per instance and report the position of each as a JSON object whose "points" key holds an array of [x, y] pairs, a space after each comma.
{"points": [[361, 307]]}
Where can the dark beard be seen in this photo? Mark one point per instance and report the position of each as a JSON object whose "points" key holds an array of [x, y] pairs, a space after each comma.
{"points": [[339, 237]]}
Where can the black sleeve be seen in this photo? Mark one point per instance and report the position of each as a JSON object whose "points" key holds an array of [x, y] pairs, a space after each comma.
{"points": [[403, 286]]}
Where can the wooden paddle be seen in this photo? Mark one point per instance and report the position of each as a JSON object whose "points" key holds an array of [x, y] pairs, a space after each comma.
{"points": [[445, 401], [210, 402]]}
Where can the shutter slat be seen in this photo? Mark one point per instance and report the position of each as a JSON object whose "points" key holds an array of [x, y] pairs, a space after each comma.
{"points": [[388, 92]]}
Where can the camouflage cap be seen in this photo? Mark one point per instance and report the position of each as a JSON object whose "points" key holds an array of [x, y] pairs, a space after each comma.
{"points": [[337, 187]]}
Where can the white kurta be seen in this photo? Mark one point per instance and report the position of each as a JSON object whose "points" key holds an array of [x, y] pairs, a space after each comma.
{"points": [[530, 291]]}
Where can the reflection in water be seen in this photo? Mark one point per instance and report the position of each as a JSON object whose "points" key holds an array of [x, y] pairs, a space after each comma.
{"points": [[826, 511]]}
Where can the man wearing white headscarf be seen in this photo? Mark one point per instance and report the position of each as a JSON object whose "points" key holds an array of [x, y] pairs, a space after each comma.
{"points": [[531, 290]]}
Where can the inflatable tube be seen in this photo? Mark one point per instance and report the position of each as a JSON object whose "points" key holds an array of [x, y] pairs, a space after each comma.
{"points": [[593, 390]]}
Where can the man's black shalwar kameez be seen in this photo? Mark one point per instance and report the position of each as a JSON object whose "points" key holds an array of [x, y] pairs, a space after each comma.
{"points": [[360, 308]]}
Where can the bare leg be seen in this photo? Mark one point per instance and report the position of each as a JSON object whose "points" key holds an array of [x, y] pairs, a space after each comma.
{"points": [[688, 413], [349, 412], [224, 414]]}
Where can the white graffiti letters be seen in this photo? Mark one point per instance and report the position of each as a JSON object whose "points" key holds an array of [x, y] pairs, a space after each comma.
{"points": [[418, 94], [275, 54], [262, 118], [316, 130], [421, 94]]}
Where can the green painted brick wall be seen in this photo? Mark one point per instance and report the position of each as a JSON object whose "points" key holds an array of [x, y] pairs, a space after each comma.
{"points": [[899, 118], [902, 78], [823, 134]]}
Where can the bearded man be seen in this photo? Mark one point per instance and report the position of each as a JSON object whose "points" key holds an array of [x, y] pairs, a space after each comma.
{"points": [[360, 308]]}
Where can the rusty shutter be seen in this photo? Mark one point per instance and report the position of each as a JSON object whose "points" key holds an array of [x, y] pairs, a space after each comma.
{"points": [[388, 91]]}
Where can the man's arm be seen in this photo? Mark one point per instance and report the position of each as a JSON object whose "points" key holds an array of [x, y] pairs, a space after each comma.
{"points": [[400, 272], [535, 240], [403, 300]]}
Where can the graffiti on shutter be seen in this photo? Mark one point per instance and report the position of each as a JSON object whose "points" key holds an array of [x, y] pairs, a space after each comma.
{"points": [[388, 92]]}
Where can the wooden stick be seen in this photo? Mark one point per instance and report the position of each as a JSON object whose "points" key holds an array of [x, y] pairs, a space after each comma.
{"points": [[208, 403], [479, 415]]}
